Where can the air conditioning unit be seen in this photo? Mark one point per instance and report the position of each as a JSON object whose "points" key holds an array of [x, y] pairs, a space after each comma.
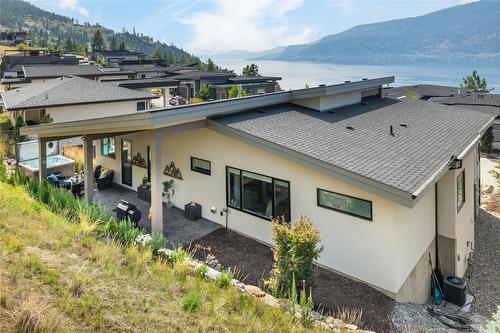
{"points": [[454, 289]]}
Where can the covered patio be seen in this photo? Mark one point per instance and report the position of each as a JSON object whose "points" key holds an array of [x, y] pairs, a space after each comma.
{"points": [[178, 230]]}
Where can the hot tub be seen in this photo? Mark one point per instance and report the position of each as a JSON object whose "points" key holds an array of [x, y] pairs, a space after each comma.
{"points": [[55, 164]]}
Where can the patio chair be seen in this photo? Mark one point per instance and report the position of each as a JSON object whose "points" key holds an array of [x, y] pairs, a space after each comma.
{"points": [[105, 179]]}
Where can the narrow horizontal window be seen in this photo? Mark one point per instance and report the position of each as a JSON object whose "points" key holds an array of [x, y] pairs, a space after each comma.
{"points": [[460, 190], [345, 204], [201, 166]]}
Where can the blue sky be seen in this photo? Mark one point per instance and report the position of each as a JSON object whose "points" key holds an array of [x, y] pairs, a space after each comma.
{"points": [[216, 26]]}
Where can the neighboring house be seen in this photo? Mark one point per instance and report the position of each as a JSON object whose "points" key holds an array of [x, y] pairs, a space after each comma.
{"points": [[34, 74], [457, 96], [13, 37], [113, 58], [167, 86], [191, 82], [71, 98], [14, 63], [387, 181]]}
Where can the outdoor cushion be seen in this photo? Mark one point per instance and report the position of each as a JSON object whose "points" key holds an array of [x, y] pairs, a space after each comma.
{"points": [[104, 173]]}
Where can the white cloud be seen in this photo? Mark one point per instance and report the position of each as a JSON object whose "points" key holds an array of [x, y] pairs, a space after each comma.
{"points": [[72, 5], [244, 25], [469, 1], [63, 4]]}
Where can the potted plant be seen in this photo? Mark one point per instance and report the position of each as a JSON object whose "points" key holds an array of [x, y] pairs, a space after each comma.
{"points": [[168, 191]]}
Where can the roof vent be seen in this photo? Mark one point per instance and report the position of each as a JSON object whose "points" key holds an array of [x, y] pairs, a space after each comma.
{"points": [[322, 85], [391, 130], [350, 128], [403, 125], [347, 81], [46, 96], [364, 79]]}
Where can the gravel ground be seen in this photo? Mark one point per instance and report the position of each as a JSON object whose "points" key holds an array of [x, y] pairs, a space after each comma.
{"points": [[485, 278]]}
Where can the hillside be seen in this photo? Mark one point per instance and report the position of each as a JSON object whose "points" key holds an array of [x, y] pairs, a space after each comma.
{"points": [[60, 276], [462, 34], [49, 28]]}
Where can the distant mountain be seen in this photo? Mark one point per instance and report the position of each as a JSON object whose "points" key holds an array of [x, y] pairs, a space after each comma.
{"points": [[462, 34], [240, 54], [49, 28]]}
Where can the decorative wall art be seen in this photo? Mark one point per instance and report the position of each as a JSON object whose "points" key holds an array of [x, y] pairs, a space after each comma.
{"points": [[139, 161], [172, 171]]}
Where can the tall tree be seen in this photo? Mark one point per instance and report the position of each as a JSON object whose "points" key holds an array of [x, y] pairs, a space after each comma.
{"points": [[475, 83], [98, 43], [211, 67], [122, 46], [156, 54], [113, 45], [251, 70]]}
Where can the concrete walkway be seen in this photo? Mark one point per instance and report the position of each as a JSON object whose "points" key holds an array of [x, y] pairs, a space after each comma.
{"points": [[178, 230]]}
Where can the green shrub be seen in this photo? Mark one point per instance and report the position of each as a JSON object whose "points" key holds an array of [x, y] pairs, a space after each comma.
{"points": [[177, 255], [297, 247], [223, 280], [157, 242], [3, 170], [493, 325], [201, 271], [191, 302]]}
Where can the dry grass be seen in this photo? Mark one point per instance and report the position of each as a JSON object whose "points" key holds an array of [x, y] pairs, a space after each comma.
{"points": [[76, 154], [493, 204], [57, 276]]}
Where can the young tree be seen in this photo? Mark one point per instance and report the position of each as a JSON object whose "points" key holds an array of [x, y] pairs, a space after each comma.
{"points": [[475, 83], [122, 46], [251, 70], [69, 45], [211, 67], [487, 141], [113, 45], [237, 91], [156, 54], [98, 43], [55, 50], [204, 93], [22, 47]]}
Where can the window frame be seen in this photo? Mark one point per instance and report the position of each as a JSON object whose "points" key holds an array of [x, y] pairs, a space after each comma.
{"points": [[318, 190], [461, 176], [102, 148], [240, 208], [141, 103], [209, 173]]}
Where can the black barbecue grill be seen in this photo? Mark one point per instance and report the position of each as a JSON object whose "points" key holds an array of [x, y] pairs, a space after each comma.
{"points": [[126, 210]]}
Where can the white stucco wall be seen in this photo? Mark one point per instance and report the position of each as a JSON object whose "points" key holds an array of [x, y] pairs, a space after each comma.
{"points": [[382, 252], [88, 111], [324, 103], [453, 223]]}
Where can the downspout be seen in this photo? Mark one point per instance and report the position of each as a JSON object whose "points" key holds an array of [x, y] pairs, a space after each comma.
{"points": [[436, 247]]}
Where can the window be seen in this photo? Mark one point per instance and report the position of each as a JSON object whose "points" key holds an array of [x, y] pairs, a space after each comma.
{"points": [[345, 204], [201, 166], [460, 190], [108, 147], [141, 106], [256, 194]]}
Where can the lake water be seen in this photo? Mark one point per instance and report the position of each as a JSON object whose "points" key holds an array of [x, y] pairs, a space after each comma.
{"points": [[297, 74]]}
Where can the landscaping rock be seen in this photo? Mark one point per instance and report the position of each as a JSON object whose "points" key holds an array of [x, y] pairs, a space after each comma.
{"points": [[218, 267], [271, 300], [255, 291], [350, 327]]}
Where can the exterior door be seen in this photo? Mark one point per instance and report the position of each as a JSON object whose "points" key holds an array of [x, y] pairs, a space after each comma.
{"points": [[126, 162]]}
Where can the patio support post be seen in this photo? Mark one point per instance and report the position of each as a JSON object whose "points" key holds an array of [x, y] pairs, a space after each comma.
{"points": [[42, 158], [88, 168], [156, 184], [165, 97]]}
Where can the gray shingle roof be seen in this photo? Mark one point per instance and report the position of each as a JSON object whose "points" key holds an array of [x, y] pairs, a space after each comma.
{"points": [[68, 91], [406, 161], [47, 71], [423, 90]]}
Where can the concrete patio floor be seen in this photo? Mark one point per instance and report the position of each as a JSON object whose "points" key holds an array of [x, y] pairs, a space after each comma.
{"points": [[178, 230]]}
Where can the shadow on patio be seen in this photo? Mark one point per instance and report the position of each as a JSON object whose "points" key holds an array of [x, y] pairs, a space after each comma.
{"points": [[176, 228]]}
